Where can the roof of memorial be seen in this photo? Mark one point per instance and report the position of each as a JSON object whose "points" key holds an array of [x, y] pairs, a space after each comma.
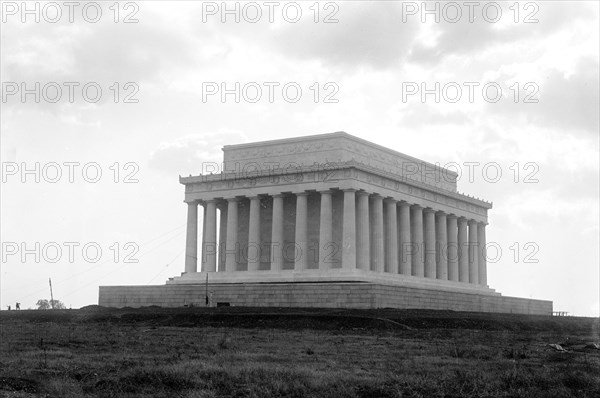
{"points": [[316, 138]]}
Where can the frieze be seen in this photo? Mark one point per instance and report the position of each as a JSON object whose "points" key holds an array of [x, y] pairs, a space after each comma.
{"points": [[335, 143], [361, 154], [329, 176]]}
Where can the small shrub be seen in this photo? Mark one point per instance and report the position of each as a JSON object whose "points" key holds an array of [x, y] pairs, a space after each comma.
{"points": [[224, 342], [18, 384], [143, 380], [516, 353], [559, 357], [369, 390], [578, 380]]}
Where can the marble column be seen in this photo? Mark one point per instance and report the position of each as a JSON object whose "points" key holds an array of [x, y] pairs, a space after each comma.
{"points": [[254, 248], [416, 228], [363, 240], [452, 252], [482, 254], [301, 237], [463, 251], [209, 250], [231, 245], [222, 235], [405, 240], [277, 234], [429, 237], [391, 236], [202, 256], [473, 253], [349, 230], [191, 239], [377, 254], [441, 251], [326, 244]]}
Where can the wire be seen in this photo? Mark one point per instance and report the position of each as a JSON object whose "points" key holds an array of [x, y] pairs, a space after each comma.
{"points": [[166, 266], [62, 281], [115, 270]]}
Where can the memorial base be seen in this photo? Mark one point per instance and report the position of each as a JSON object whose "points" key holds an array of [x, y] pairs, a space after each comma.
{"points": [[294, 291]]}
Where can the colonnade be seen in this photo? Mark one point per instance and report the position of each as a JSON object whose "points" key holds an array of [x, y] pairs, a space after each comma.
{"points": [[378, 234]]}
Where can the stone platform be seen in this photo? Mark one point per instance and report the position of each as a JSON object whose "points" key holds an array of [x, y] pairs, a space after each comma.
{"points": [[324, 294]]}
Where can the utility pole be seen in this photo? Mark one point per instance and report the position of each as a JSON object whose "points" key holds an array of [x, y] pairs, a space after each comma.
{"points": [[206, 289], [51, 295]]}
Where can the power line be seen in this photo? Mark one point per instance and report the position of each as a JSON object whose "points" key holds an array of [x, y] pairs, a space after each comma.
{"points": [[115, 270], [166, 266], [107, 261]]}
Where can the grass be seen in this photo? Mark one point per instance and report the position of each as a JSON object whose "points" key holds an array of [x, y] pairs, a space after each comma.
{"points": [[237, 352]]}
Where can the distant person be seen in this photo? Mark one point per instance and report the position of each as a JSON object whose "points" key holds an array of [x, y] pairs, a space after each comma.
{"points": [[18, 306], [9, 305]]}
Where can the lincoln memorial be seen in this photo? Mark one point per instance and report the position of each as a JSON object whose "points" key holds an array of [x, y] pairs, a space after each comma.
{"points": [[329, 220]]}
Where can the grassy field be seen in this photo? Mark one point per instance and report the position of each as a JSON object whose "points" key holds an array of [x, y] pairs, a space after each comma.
{"points": [[245, 352]]}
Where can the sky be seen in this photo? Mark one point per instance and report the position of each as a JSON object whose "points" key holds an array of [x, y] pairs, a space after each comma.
{"points": [[104, 106]]}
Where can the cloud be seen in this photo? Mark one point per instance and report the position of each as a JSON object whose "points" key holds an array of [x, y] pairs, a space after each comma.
{"points": [[187, 154], [569, 103], [421, 114], [469, 38], [101, 51], [368, 34], [143, 53]]}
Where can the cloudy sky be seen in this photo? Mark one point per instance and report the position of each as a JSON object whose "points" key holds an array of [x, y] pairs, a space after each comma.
{"points": [[362, 67]]}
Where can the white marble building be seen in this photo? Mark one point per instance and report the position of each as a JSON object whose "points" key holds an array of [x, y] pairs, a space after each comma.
{"points": [[326, 213]]}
